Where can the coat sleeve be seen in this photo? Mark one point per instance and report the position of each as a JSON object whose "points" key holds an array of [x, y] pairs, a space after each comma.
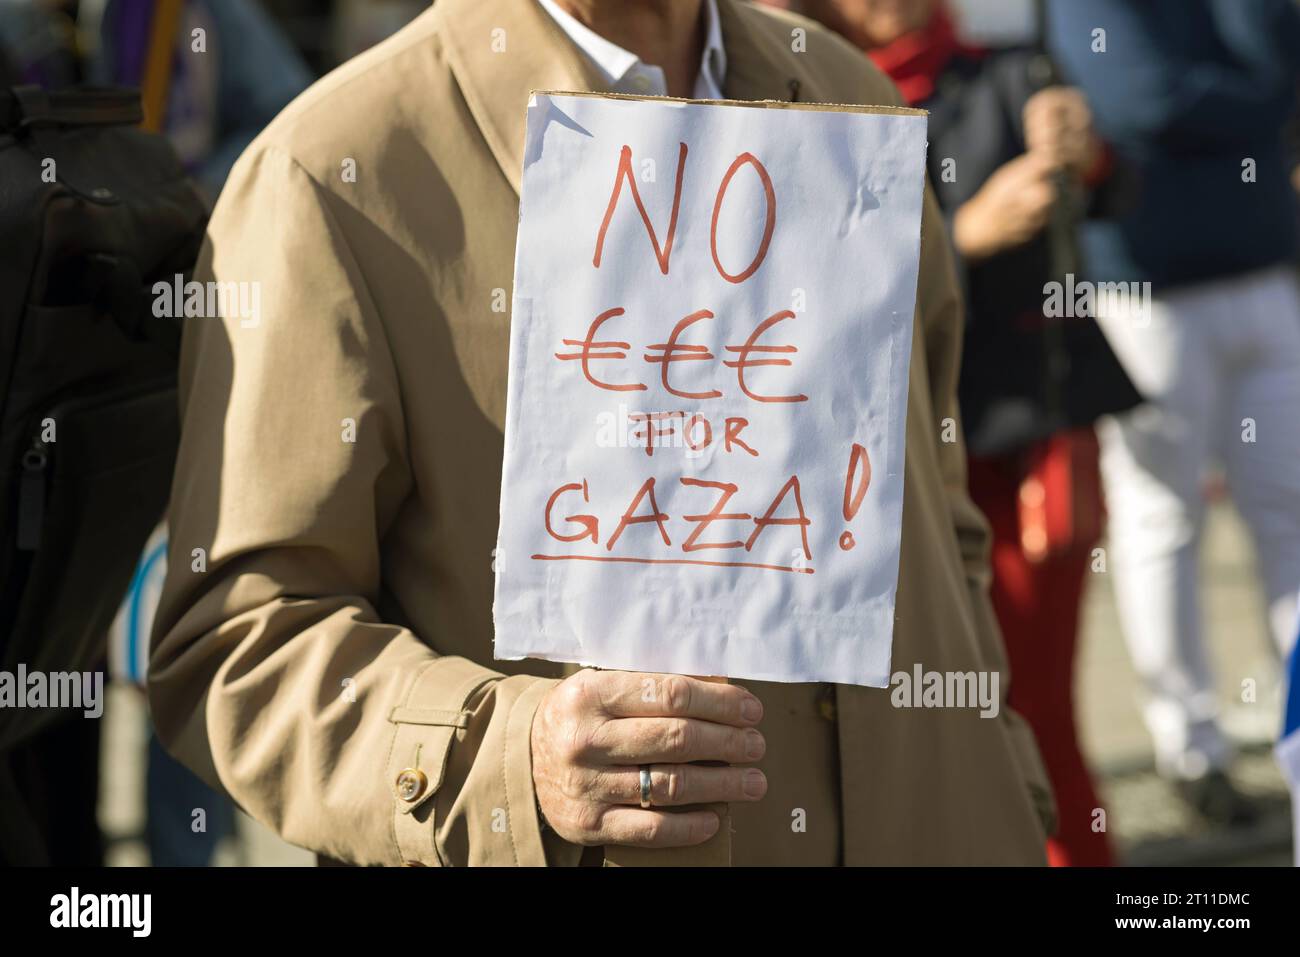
{"points": [[273, 673], [939, 310]]}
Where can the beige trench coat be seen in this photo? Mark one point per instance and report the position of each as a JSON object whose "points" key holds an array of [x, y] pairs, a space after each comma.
{"points": [[327, 616]]}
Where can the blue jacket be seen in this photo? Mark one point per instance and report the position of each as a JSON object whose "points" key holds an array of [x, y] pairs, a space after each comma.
{"points": [[1185, 92]]}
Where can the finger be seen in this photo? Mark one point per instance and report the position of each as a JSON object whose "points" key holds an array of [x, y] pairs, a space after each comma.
{"points": [[1041, 163], [1040, 101], [1048, 111], [1043, 167], [631, 694], [625, 825], [1036, 136], [673, 741], [1055, 129], [1076, 105], [1043, 105], [1041, 195], [1040, 151], [673, 785]]}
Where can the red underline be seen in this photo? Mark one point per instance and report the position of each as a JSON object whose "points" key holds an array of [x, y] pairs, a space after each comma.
{"points": [[670, 561]]}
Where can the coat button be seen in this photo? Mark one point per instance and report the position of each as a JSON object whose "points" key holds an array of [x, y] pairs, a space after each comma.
{"points": [[826, 702], [411, 783]]}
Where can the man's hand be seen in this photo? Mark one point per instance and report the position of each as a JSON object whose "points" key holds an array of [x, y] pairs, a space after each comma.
{"points": [[1011, 208], [595, 729]]}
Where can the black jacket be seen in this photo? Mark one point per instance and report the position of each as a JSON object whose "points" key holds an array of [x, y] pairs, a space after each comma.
{"points": [[1021, 379]]}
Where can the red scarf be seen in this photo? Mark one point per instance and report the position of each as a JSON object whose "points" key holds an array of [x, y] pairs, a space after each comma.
{"points": [[915, 60]]}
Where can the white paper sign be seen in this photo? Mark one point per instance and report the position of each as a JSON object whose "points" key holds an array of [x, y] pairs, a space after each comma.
{"points": [[708, 387]]}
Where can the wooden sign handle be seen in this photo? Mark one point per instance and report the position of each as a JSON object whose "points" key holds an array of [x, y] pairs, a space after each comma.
{"points": [[715, 852]]}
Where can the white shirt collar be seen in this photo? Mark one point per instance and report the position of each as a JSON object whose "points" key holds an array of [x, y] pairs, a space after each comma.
{"points": [[623, 70]]}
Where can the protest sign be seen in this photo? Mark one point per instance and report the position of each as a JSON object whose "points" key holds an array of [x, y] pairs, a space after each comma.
{"points": [[710, 340]]}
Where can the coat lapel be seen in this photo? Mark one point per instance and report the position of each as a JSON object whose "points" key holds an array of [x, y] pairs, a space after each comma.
{"points": [[757, 67], [496, 79]]}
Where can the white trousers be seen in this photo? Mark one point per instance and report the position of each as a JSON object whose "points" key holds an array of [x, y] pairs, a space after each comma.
{"points": [[1220, 365]]}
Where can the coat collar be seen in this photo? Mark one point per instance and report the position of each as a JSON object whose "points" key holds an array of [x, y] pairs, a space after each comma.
{"points": [[616, 65], [538, 56]]}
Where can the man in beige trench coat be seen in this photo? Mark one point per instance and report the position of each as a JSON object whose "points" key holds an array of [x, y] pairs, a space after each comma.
{"points": [[324, 646]]}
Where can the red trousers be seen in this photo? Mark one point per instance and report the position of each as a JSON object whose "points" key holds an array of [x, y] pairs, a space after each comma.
{"points": [[1037, 605]]}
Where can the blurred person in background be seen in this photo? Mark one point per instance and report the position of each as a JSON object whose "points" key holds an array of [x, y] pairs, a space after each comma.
{"points": [[360, 24], [328, 32], [308, 25], [232, 72], [228, 73], [38, 43], [1031, 386], [1195, 94], [231, 69]]}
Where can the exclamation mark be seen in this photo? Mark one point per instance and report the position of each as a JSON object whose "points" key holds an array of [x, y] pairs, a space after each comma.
{"points": [[855, 489]]}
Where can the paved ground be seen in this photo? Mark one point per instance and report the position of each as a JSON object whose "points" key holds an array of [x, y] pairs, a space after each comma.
{"points": [[1149, 826]]}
